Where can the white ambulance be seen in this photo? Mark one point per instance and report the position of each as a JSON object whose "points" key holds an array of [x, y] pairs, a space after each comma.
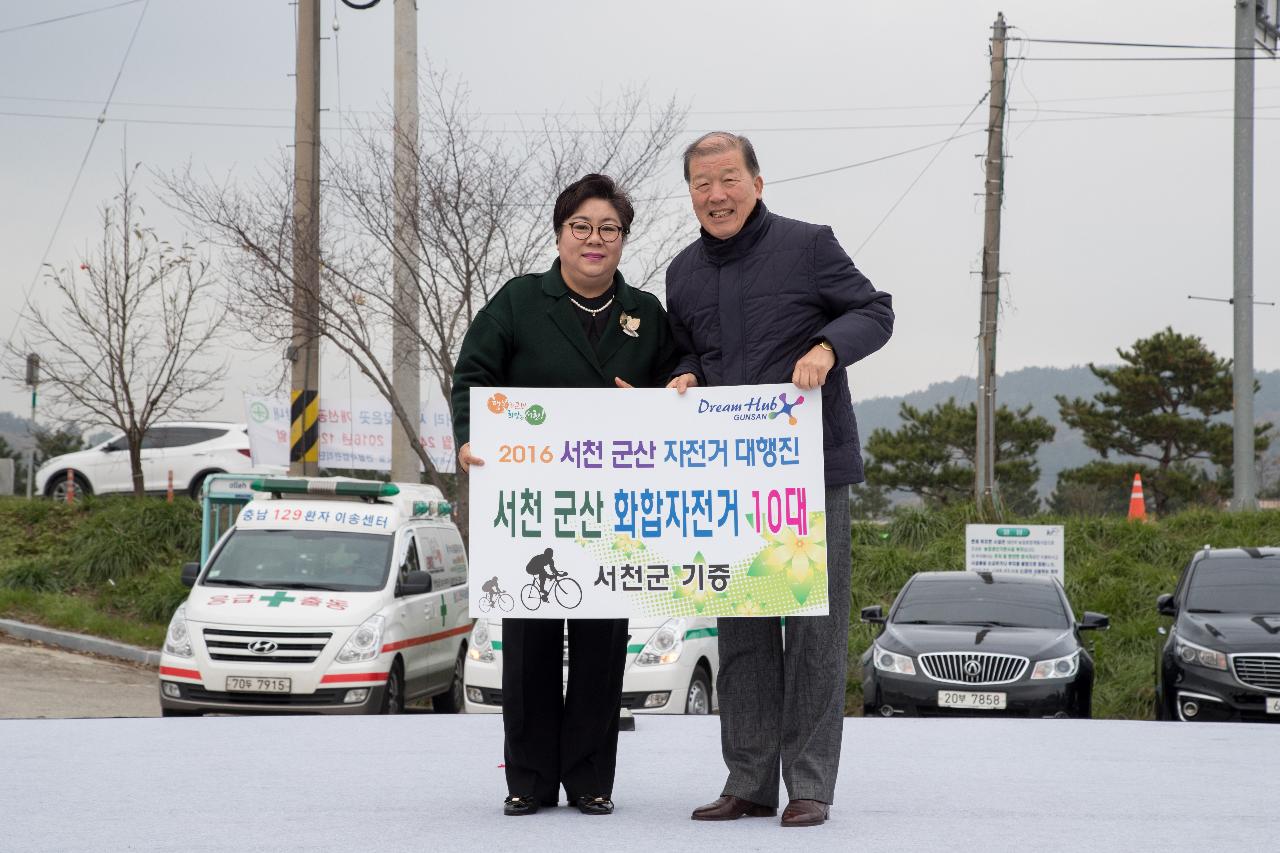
{"points": [[327, 596], [671, 666]]}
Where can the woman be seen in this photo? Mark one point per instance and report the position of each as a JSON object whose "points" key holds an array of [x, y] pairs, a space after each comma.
{"points": [[573, 326]]}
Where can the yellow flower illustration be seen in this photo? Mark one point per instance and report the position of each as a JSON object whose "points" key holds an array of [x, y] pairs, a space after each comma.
{"points": [[748, 607], [798, 558]]}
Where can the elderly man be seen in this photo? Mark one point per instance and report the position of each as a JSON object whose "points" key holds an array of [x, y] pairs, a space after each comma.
{"points": [[759, 298]]}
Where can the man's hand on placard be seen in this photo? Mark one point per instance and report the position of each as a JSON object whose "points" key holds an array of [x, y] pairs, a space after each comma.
{"points": [[622, 383], [466, 460], [683, 382], [812, 369]]}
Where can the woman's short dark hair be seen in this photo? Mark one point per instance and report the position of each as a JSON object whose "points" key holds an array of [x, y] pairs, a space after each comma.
{"points": [[586, 188]]}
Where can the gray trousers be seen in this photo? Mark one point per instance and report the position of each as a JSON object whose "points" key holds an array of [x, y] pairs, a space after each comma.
{"points": [[782, 703]]}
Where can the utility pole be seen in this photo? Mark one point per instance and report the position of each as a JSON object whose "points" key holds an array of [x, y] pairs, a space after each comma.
{"points": [[304, 351], [33, 379], [985, 458], [405, 358], [1244, 494]]}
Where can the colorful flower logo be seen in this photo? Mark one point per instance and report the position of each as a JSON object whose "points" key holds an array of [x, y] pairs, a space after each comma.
{"points": [[787, 409]]}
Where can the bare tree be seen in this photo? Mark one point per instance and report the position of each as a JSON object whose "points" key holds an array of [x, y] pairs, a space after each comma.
{"points": [[127, 343], [482, 216]]}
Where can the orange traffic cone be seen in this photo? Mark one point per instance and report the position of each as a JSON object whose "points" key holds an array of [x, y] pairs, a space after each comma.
{"points": [[1137, 504]]}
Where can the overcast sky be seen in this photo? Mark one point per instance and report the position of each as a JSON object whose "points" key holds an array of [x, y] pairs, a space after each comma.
{"points": [[1110, 221]]}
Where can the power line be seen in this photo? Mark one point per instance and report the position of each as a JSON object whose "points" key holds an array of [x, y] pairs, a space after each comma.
{"points": [[932, 160], [880, 159], [68, 17], [1099, 43], [1251, 58], [760, 111], [566, 130], [101, 120]]}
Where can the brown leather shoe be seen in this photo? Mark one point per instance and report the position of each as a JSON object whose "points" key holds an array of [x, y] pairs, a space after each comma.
{"points": [[805, 813], [731, 808]]}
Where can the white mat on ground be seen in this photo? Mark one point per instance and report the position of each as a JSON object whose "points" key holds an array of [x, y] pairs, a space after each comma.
{"points": [[431, 783]]}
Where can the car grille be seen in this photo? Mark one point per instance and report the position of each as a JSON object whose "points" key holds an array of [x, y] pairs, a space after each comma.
{"points": [[291, 647], [973, 667], [1260, 671]]}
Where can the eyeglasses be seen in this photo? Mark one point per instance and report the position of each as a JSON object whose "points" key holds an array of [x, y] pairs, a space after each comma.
{"points": [[608, 232]]}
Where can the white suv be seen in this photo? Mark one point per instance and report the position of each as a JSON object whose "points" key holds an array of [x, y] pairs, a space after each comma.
{"points": [[192, 450]]}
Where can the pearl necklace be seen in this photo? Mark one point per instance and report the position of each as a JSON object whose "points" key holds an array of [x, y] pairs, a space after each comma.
{"points": [[592, 311]]}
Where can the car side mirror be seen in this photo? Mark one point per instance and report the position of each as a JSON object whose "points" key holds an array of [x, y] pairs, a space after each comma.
{"points": [[874, 614], [415, 583], [190, 571], [1095, 621], [1165, 605]]}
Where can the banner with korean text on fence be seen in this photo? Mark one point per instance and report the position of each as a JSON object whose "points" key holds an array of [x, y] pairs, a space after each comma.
{"points": [[353, 433], [610, 503]]}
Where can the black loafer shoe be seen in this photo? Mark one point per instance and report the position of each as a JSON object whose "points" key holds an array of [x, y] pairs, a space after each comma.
{"points": [[594, 805], [519, 806]]}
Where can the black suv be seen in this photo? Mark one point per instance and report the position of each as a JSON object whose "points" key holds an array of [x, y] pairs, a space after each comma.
{"points": [[1222, 659]]}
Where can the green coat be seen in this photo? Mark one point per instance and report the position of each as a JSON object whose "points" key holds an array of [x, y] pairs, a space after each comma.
{"points": [[529, 337]]}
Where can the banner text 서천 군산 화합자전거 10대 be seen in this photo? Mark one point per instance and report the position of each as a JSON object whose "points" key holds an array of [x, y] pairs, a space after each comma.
{"points": [[611, 503]]}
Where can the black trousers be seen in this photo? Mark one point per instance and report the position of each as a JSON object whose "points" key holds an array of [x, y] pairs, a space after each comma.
{"points": [[553, 740]]}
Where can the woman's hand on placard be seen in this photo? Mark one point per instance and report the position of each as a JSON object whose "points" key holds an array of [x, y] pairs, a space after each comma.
{"points": [[466, 460]]}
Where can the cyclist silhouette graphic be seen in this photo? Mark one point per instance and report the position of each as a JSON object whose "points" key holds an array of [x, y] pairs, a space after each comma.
{"points": [[544, 567], [494, 596], [547, 579]]}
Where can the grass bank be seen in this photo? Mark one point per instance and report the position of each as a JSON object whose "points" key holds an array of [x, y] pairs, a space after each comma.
{"points": [[105, 566], [1112, 566], [109, 567]]}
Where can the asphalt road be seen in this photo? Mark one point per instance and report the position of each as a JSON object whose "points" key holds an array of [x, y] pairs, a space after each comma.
{"points": [[41, 682]]}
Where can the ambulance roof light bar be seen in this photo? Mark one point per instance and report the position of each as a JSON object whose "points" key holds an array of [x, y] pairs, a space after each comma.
{"points": [[440, 508], [349, 488]]}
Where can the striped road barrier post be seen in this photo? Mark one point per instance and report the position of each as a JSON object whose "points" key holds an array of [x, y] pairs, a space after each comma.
{"points": [[304, 443]]}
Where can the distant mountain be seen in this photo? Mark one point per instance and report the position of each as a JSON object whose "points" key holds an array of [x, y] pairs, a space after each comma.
{"points": [[1038, 386]]}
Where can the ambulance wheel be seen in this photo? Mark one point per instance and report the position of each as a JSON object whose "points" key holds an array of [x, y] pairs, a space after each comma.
{"points": [[393, 693], [452, 701], [698, 700]]}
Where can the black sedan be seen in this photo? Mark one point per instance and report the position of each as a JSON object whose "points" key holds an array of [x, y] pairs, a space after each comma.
{"points": [[977, 644], [1221, 661]]}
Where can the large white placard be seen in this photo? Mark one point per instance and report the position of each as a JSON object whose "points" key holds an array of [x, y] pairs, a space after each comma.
{"points": [[1034, 549], [649, 502], [353, 433]]}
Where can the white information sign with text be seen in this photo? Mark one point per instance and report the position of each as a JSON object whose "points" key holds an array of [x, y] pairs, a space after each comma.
{"points": [[610, 503], [1034, 549], [353, 433]]}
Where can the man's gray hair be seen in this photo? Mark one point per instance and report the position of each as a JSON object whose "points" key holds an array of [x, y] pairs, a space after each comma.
{"points": [[718, 142]]}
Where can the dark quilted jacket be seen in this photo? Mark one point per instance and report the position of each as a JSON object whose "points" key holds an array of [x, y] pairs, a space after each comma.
{"points": [[748, 308]]}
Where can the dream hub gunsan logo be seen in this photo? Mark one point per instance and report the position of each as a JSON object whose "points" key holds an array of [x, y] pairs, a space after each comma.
{"points": [[755, 408], [501, 405]]}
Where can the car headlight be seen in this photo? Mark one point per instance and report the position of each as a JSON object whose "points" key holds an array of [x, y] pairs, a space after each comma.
{"points": [[177, 640], [887, 661], [365, 643], [664, 646], [1199, 655], [481, 647], [1063, 667]]}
